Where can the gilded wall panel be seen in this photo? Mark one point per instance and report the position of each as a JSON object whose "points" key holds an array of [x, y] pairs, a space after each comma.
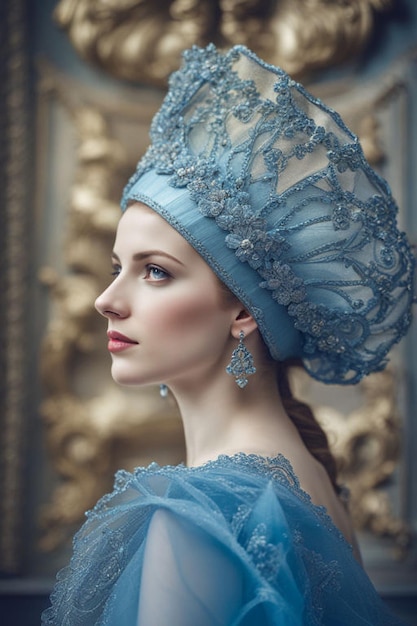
{"points": [[141, 40]]}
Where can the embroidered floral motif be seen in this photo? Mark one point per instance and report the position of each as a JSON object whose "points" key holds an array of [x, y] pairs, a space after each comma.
{"points": [[266, 556], [341, 217], [275, 160], [239, 519], [346, 157], [379, 219], [286, 287], [249, 239], [107, 572], [325, 577]]}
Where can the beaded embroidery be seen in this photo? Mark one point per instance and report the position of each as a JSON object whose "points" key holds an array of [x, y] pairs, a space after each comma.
{"points": [[288, 184]]}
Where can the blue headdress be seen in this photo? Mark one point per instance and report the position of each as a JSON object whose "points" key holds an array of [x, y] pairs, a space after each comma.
{"points": [[273, 191]]}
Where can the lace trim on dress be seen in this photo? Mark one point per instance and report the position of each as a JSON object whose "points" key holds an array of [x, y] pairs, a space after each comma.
{"points": [[278, 468]]}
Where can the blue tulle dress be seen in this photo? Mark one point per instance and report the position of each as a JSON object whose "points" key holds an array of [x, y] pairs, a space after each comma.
{"points": [[235, 542]]}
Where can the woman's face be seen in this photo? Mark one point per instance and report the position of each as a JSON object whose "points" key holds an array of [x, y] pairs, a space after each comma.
{"points": [[168, 320]]}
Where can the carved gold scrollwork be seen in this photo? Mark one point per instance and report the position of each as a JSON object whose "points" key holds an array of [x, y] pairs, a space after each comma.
{"points": [[367, 446], [141, 40]]}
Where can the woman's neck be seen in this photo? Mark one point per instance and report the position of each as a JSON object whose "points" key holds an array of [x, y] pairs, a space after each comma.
{"points": [[220, 418]]}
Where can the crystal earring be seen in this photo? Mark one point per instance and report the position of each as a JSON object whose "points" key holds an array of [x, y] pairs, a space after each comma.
{"points": [[163, 391], [241, 365]]}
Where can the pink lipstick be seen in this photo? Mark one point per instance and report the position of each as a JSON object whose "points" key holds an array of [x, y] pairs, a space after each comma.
{"points": [[119, 342]]}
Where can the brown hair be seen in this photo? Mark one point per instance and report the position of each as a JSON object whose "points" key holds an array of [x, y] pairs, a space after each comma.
{"points": [[312, 434]]}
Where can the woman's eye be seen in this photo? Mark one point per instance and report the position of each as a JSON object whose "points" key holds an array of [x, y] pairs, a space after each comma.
{"points": [[156, 273], [116, 270]]}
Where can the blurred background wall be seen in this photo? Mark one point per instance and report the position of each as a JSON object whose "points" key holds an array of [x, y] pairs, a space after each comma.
{"points": [[80, 81]]}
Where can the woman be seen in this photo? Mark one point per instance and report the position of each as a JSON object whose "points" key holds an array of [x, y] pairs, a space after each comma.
{"points": [[254, 233]]}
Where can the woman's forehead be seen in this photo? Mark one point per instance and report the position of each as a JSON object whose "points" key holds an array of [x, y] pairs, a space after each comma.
{"points": [[141, 227]]}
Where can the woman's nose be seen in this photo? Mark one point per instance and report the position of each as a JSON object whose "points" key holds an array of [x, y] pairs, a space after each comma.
{"points": [[110, 304]]}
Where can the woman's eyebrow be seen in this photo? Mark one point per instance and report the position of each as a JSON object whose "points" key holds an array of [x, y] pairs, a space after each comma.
{"points": [[140, 256]]}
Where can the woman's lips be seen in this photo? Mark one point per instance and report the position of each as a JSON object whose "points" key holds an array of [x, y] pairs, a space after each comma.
{"points": [[119, 342]]}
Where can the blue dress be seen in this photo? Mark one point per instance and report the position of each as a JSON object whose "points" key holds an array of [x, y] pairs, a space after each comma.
{"points": [[235, 542]]}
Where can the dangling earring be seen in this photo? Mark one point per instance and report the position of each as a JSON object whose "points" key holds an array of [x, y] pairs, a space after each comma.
{"points": [[241, 364], [163, 391]]}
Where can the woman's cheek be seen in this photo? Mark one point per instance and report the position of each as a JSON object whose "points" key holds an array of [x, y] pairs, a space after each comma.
{"points": [[183, 312]]}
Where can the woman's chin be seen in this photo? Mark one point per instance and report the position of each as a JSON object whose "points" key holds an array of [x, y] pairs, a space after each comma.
{"points": [[126, 379]]}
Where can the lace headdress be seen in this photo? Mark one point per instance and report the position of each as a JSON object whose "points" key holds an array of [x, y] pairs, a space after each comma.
{"points": [[273, 191]]}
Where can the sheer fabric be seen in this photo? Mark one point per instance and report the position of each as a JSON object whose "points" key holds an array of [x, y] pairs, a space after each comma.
{"points": [[235, 542]]}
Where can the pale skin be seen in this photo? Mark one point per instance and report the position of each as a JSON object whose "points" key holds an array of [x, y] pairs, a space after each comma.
{"points": [[167, 300]]}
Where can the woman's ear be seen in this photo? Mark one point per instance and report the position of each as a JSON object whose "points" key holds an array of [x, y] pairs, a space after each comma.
{"points": [[243, 321]]}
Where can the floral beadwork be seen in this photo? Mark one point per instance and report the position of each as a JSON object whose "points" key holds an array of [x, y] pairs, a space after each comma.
{"points": [[267, 556], [286, 287], [294, 199]]}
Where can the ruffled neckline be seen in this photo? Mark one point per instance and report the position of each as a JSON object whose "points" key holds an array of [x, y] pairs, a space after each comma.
{"points": [[277, 467]]}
